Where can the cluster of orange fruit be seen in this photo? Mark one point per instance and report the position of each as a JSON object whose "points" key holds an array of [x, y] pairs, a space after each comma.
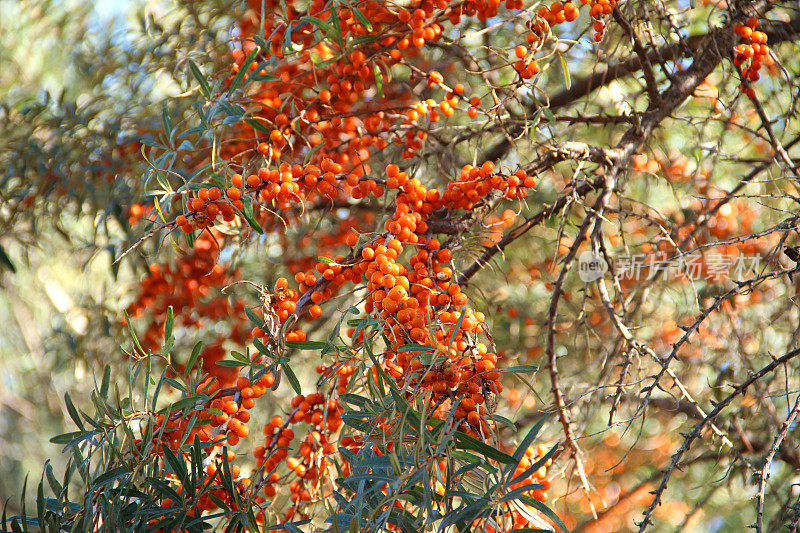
{"points": [[750, 53], [553, 15], [323, 109], [204, 209]]}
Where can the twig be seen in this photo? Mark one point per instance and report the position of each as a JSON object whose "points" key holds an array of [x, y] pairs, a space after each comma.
{"points": [[697, 429], [764, 475], [558, 399]]}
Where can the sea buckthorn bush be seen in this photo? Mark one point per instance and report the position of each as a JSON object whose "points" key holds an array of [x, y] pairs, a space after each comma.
{"points": [[442, 266]]}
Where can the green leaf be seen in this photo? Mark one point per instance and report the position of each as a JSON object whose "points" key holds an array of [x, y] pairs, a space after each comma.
{"points": [[307, 345], [428, 359], [237, 80], [160, 383], [457, 326], [183, 403], [519, 490], [40, 502], [4, 517], [545, 510], [234, 111], [178, 466], [410, 414], [292, 378], [110, 475], [364, 39], [465, 442], [415, 348], [321, 24], [55, 486], [193, 358], [254, 318], [503, 420], [519, 453], [519, 369], [263, 350], [133, 334], [289, 524], [73, 413], [247, 212], [378, 80], [240, 356], [565, 70], [150, 142], [198, 75], [169, 324], [360, 16], [190, 239], [472, 460], [466, 513], [358, 424], [231, 363], [337, 29], [287, 37], [263, 77], [535, 466], [262, 66], [169, 128], [227, 477], [257, 125], [106, 382], [354, 399], [73, 436], [311, 153], [259, 39]]}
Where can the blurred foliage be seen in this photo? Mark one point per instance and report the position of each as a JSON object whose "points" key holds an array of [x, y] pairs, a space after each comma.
{"points": [[77, 92]]}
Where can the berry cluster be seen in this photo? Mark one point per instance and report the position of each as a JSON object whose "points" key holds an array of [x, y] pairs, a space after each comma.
{"points": [[204, 209], [597, 10], [750, 53], [308, 466], [553, 15], [323, 113]]}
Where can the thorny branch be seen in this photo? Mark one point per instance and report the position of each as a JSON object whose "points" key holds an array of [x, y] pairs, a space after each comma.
{"points": [[698, 428]]}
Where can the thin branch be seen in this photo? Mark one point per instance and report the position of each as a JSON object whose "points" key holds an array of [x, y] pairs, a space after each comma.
{"points": [[605, 74], [698, 428], [764, 476]]}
